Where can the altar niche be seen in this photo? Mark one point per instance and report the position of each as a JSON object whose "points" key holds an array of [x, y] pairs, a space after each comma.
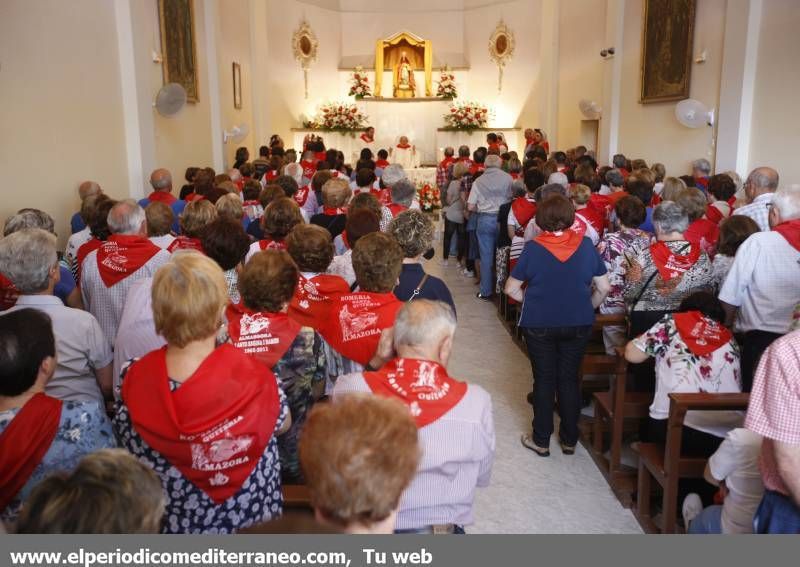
{"points": [[403, 53]]}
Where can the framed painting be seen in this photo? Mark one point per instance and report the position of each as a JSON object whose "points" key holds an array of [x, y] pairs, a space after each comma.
{"points": [[179, 64], [667, 43], [237, 86]]}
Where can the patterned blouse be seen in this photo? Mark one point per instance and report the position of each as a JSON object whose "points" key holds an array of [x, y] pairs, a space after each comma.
{"points": [[661, 295], [84, 428], [719, 270], [617, 249], [189, 510]]}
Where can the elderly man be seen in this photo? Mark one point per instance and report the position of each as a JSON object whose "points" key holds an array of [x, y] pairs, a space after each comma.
{"points": [[759, 188], [405, 154], [489, 191], [762, 282], [701, 169], [161, 182], [391, 174], [403, 194], [83, 372], [454, 418], [109, 272], [772, 413], [442, 170], [304, 196], [85, 190]]}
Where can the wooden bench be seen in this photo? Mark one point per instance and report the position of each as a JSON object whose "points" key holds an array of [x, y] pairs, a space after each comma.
{"points": [[667, 466], [296, 497], [600, 366]]}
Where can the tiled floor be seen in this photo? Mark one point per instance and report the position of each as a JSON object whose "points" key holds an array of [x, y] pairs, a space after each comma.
{"points": [[528, 494]]}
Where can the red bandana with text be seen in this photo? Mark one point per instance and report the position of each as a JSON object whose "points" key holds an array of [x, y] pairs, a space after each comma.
{"points": [[302, 195], [791, 232], [671, 265], [269, 244], [424, 386], [309, 168], [215, 426], [312, 298], [701, 334], [383, 195], [445, 163], [266, 336], [185, 243], [24, 443], [356, 322], [562, 244], [122, 255]]}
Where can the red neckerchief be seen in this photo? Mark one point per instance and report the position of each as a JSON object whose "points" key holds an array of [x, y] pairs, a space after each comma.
{"points": [[701, 183], [476, 167], [320, 156], [302, 195], [344, 239], [524, 210], [424, 386], [494, 147], [333, 211], [366, 138], [403, 146], [701, 334], [396, 209], [597, 220], [562, 244], [193, 197], [357, 320], [655, 200], [381, 164], [161, 197], [790, 230], [269, 244], [270, 175], [600, 203], [266, 336], [122, 255], [86, 248], [251, 203], [24, 443], [445, 163], [702, 229], [185, 243], [383, 195], [214, 428], [312, 297], [8, 295], [715, 214], [515, 175], [669, 264], [529, 141], [309, 168], [625, 173]]}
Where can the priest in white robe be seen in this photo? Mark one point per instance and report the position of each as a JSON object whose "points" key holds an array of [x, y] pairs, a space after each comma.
{"points": [[405, 154]]}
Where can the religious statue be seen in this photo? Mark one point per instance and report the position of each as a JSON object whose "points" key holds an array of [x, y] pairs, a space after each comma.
{"points": [[404, 84]]}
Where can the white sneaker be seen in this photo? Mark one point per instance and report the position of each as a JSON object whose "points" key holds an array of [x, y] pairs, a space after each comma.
{"points": [[692, 506], [444, 263], [469, 273]]}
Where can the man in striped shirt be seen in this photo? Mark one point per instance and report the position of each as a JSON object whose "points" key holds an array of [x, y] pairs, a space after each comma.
{"points": [[454, 419]]}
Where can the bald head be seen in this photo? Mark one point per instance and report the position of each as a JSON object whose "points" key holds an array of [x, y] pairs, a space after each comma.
{"points": [[762, 180], [127, 217], [424, 329], [161, 180], [88, 189]]}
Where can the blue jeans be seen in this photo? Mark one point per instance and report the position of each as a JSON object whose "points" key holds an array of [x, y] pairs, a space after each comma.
{"points": [[709, 521], [776, 514], [487, 239]]}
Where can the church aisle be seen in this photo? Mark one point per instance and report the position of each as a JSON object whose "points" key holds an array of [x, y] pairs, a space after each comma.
{"points": [[527, 494]]}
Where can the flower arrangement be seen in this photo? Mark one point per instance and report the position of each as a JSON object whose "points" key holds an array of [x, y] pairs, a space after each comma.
{"points": [[337, 116], [430, 198], [359, 84], [467, 116], [447, 85]]}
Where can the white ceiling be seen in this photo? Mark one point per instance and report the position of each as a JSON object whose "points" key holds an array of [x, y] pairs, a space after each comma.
{"points": [[394, 6]]}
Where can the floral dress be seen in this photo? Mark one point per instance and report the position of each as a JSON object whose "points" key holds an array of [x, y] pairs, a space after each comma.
{"points": [[84, 428], [679, 370], [618, 249], [189, 510]]}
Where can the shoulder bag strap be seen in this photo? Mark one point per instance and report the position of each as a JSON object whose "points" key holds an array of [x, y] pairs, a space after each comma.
{"points": [[418, 290]]}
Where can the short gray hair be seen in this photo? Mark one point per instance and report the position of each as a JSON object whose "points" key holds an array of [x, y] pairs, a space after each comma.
{"points": [[29, 218], [392, 174], [295, 171], [126, 217], [403, 192], [614, 177], [422, 321], [493, 161], [702, 164], [670, 217], [548, 190], [234, 174], [764, 178], [787, 201], [559, 178], [26, 258]]}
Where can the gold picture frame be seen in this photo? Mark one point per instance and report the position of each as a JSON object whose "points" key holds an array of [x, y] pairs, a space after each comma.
{"points": [[178, 50], [237, 86], [667, 45], [501, 48], [304, 47]]}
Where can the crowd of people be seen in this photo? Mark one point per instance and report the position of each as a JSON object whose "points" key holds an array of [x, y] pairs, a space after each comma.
{"points": [[187, 356]]}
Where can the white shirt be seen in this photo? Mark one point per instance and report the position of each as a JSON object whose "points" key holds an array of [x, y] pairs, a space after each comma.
{"points": [[137, 332], [343, 266], [107, 303], [73, 244], [81, 348], [162, 241], [457, 457], [736, 462], [764, 283], [758, 210]]}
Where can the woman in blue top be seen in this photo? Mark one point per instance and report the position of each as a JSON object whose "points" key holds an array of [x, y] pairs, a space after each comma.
{"points": [[566, 280]]}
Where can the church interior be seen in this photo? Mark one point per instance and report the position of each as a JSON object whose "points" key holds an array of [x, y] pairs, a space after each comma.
{"points": [[114, 91]]}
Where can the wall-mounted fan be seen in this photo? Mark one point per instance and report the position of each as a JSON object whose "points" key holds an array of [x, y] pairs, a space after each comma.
{"points": [[170, 99], [235, 134], [694, 114], [590, 109]]}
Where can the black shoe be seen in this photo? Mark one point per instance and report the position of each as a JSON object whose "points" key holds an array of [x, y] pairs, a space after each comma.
{"points": [[483, 297], [530, 398], [567, 449]]}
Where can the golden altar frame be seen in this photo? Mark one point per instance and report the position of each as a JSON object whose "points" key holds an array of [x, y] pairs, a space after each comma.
{"points": [[419, 51]]}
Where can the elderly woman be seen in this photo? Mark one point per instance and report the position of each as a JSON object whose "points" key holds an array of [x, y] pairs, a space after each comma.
{"points": [[231, 206], [359, 224], [700, 230], [191, 404], [370, 202], [616, 249], [413, 231], [733, 231], [335, 196], [193, 220], [566, 280], [673, 186], [260, 327], [723, 191], [226, 242], [159, 224], [98, 226], [280, 217], [39, 434], [454, 216]]}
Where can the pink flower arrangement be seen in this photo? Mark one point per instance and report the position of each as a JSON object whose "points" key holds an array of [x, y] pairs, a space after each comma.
{"points": [[467, 116], [338, 116], [447, 85], [359, 84]]}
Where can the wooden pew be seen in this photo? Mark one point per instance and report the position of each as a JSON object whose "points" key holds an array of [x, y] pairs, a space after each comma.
{"points": [[665, 463], [296, 497], [600, 366]]}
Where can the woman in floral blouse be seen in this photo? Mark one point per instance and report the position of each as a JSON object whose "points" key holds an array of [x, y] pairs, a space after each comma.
{"points": [[617, 249]]}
